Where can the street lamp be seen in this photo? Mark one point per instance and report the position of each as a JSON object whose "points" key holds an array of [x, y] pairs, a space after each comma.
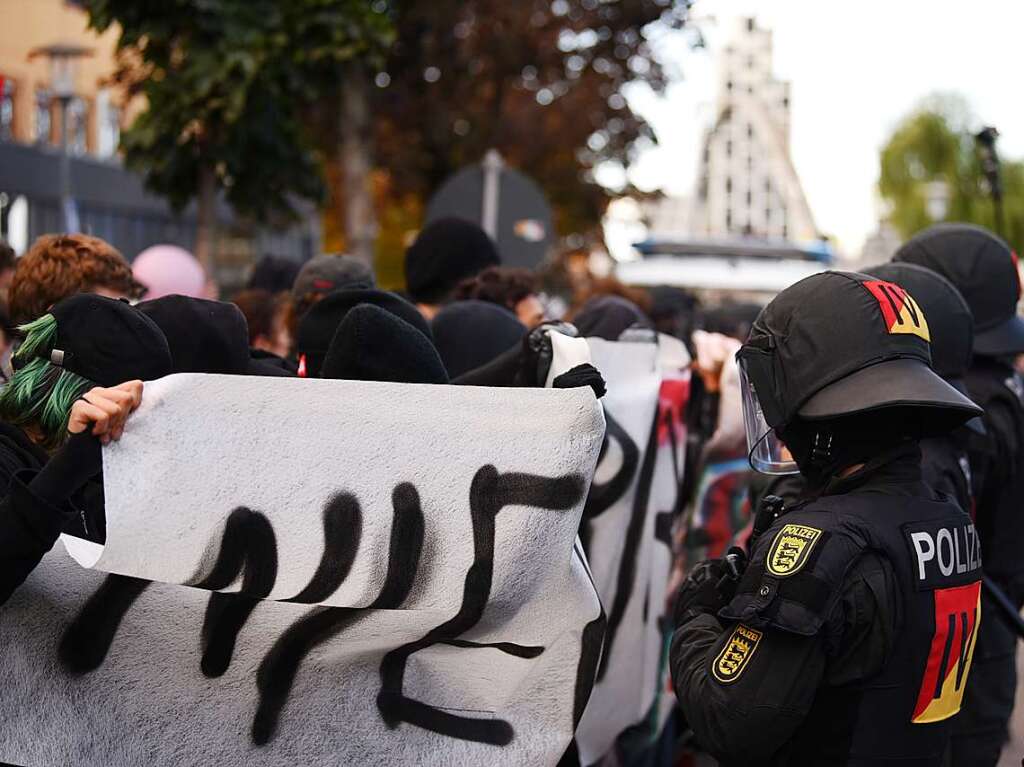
{"points": [[986, 141], [63, 62]]}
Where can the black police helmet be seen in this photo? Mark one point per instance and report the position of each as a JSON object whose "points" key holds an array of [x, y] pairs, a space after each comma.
{"points": [[839, 343], [984, 269]]}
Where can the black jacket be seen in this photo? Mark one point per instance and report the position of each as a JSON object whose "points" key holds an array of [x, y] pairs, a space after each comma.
{"points": [[827, 664], [997, 469], [29, 523]]}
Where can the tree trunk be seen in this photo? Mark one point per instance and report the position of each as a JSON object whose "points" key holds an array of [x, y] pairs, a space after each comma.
{"points": [[206, 221], [356, 154]]}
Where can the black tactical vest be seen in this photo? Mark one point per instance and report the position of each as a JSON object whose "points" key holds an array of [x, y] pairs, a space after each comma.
{"points": [[903, 714]]}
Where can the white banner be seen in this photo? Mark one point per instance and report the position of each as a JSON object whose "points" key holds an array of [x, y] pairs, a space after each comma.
{"points": [[626, 533], [432, 607]]}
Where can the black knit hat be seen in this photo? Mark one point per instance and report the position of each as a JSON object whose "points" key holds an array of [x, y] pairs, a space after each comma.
{"points": [[107, 341], [839, 343], [949, 317], [469, 334], [374, 345], [984, 269], [317, 327], [205, 336], [446, 252]]}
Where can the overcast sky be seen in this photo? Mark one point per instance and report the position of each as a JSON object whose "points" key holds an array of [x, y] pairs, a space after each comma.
{"points": [[856, 69]]}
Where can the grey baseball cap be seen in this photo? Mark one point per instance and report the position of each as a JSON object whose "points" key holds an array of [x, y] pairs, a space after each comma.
{"points": [[329, 272]]}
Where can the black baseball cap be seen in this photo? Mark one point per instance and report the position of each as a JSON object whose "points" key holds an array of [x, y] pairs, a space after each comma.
{"points": [[107, 341], [841, 343], [984, 269]]}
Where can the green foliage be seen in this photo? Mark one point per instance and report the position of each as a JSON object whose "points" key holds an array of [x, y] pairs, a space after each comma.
{"points": [[933, 145], [40, 395], [226, 84]]}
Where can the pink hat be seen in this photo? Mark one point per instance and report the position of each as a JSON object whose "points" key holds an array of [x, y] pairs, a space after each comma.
{"points": [[169, 270]]}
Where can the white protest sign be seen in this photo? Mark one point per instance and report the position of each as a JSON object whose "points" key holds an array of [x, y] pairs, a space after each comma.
{"points": [[627, 518], [430, 606]]}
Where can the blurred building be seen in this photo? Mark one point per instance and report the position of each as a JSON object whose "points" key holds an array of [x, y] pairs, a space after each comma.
{"points": [[746, 183], [111, 202]]}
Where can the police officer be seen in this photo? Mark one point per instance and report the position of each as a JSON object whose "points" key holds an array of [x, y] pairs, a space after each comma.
{"points": [[944, 460], [984, 270], [848, 638]]}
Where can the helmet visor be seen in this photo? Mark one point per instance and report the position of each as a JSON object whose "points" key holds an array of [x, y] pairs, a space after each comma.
{"points": [[765, 451]]}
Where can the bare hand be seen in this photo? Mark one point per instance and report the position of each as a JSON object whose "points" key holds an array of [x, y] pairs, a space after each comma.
{"points": [[105, 410]]}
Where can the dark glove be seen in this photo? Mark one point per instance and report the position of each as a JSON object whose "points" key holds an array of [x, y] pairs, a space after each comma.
{"points": [[526, 364], [708, 588], [581, 375], [537, 353]]}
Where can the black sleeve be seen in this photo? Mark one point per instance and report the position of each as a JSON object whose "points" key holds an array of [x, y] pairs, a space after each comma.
{"points": [[36, 508], [29, 526], [745, 691]]}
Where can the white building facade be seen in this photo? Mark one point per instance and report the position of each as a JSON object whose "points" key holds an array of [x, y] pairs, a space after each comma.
{"points": [[746, 183]]}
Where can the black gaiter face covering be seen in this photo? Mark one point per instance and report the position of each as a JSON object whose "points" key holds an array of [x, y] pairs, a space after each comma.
{"points": [[824, 448]]}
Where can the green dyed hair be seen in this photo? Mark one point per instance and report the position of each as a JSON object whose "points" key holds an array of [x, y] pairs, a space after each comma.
{"points": [[40, 395]]}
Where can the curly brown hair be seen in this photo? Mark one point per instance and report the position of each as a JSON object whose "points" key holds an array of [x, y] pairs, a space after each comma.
{"points": [[500, 285], [61, 265]]}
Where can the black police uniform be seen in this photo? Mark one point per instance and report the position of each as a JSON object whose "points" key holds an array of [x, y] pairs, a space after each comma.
{"points": [[997, 468], [984, 270], [850, 636]]}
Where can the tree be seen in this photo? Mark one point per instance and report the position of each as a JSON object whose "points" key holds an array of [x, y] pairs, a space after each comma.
{"points": [[226, 84], [539, 80], [930, 171]]}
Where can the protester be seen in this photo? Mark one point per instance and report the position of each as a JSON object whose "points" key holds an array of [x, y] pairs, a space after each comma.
{"points": [[61, 265], [267, 317], [608, 317], [324, 274], [446, 252], [204, 336], [319, 325], [79, 376], [167, 270], [469, 334], [984, 269], [515, 289], [372, 344], [833, 646], [273, 274]]}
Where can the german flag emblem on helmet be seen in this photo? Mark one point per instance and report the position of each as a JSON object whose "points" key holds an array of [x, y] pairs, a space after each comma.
{"points": [[791, 548], [900, 311], [736, 654]]}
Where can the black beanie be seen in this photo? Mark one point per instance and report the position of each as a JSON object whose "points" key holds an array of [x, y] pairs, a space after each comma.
{"points": [[318, 326], [205, 336], [374, 345], [107, 341], [608, 317], [446, 252], [469, 334]]}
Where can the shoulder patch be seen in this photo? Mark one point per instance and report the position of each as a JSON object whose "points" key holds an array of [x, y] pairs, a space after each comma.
{"points": [[791, 548], [736, 654]]}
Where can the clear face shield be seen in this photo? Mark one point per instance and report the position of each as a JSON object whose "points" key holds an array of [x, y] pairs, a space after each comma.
{"points": [[765, 451]]}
